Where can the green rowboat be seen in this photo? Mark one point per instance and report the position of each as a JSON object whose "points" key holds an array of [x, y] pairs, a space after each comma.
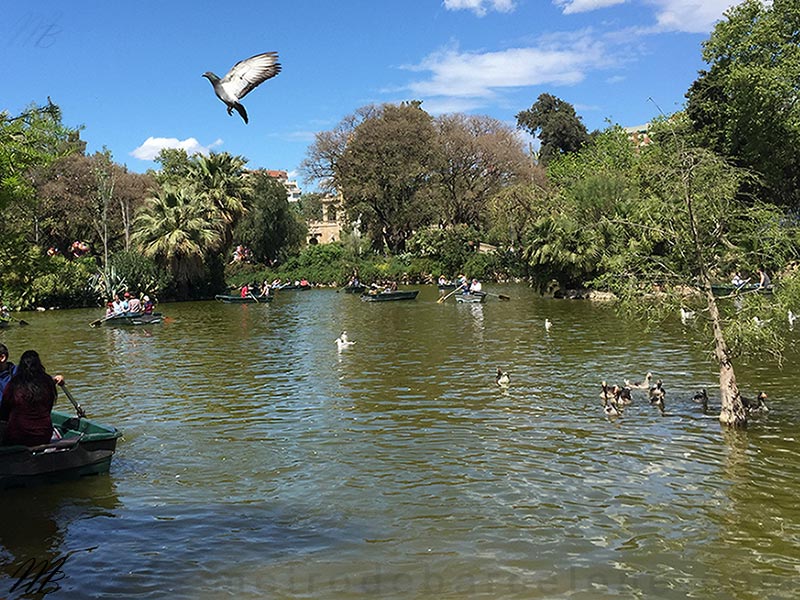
{"points": [[85, 448]]}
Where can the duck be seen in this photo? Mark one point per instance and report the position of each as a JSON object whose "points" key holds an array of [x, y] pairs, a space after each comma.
{"points": [[792, 318], [622, 395], [343, 342], [547, 324], [657, 394], [611, 410], [640, 385], [701, 397], [756, 406], [686, 315], [502, 379], [760, 322]]}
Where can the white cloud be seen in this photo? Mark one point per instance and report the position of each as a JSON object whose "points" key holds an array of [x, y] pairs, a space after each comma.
{"points": [[153, 145], [480, 7], [579, 6], [559, 61], [691, 16]]}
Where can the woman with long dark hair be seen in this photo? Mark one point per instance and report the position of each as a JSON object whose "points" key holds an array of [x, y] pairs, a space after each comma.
{"points": [[27, 401]]}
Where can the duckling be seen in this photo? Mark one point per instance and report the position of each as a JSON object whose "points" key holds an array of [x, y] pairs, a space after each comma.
{"points": [[610, 409], [701, 397], [502, 379], [657, 394], [756, 406], [640, 385], [547, 324], [622, 395]]}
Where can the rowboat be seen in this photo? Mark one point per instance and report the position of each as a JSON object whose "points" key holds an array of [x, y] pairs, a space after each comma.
{"points": [[388, 296], [129, 318], [728, 289], [471, 297], [249, 299], [354, 289], [85, 448]]}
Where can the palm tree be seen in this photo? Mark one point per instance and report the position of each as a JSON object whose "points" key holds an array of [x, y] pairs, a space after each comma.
{"points": [[220, 180], [175, 230]]}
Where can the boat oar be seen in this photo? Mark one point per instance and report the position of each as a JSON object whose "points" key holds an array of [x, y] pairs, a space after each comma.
{"points": [[501, 296], [443, 298], [78, 409], [253, 297], [97, 322], [10, 318]]}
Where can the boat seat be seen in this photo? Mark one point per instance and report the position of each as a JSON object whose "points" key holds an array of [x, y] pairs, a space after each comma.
{"points": [[61, 444]]}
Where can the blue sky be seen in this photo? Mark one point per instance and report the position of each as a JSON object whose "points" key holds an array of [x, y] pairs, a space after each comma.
{"points": [[130, 73]]}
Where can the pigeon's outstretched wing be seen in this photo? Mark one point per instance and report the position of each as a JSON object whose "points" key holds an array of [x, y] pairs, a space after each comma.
{"points": [[249, 73]]}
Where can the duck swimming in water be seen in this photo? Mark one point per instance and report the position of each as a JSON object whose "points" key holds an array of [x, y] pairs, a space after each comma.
{"points": [[343, 342], [657, 394], [701, 397], [640, 385], [502, 379], [756, 406], [610, 407]]}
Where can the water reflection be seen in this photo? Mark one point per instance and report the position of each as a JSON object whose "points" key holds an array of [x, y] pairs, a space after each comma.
{"points": [[258, 460]]}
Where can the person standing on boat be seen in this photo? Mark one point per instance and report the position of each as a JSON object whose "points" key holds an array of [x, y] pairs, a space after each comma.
{"points": [[27, 401], [7, 368]]}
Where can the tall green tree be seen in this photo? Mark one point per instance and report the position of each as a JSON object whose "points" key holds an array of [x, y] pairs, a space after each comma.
{"points": [[270, 229], [174, 229], [386, 173], [746, 106], [678, 236], [220, 181], [556, 124]]}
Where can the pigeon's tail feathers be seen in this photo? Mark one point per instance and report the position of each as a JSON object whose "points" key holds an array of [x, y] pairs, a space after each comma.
{"points": [[240, 109]]}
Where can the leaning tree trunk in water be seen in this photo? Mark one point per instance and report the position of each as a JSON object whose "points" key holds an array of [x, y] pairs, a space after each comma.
{"points": [[732, 411]]}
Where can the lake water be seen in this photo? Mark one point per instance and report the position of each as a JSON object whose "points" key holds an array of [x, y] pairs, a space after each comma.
{"points": [[260, 462]]}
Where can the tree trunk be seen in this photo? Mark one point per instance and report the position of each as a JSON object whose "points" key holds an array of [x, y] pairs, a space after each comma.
{"points": [[732, 412]]}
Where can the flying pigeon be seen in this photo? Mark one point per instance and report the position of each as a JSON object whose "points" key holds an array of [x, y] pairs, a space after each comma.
{"points": [[244, 77]]}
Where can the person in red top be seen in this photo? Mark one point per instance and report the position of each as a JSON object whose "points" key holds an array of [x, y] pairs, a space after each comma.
{"points": [[27, 401]]}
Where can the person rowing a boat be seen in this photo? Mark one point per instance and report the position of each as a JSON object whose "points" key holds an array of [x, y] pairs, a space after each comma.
{"points": [[7, 368], [27, 402]]}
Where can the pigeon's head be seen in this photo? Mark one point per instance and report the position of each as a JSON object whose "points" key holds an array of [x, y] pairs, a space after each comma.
{"points": [[210, 76]]}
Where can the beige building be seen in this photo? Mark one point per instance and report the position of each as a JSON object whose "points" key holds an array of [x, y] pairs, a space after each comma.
{"points": [[329, 229]]}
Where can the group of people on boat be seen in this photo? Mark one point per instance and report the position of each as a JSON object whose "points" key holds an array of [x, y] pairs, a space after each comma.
{"points": [[763, 279], [129, 304], [27, 396], [462, 284]]}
